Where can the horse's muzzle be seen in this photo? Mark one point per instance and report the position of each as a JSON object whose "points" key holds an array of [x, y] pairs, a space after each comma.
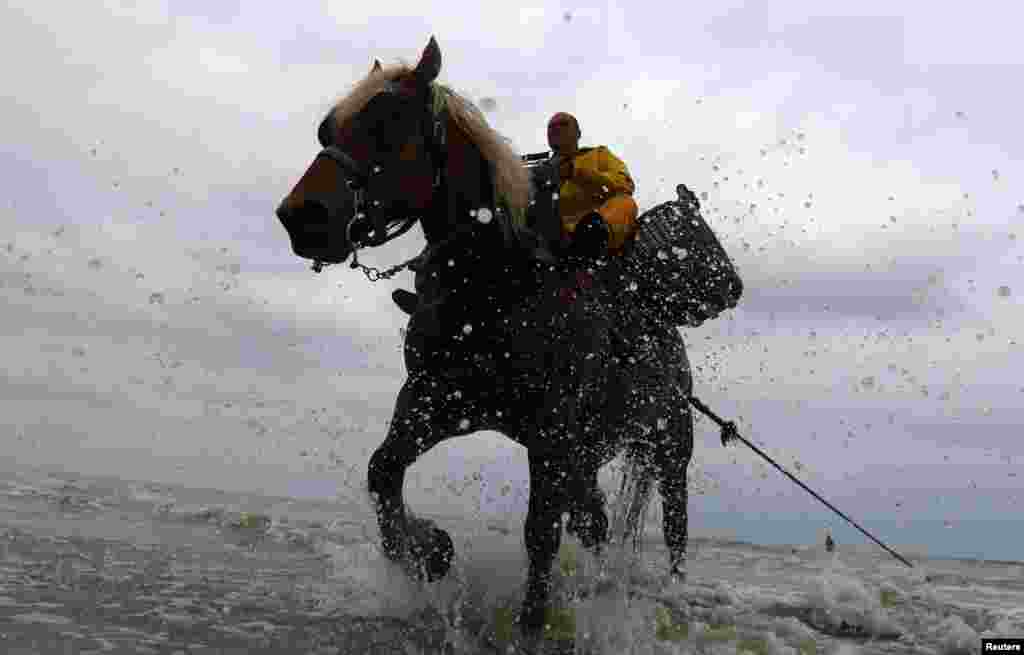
{"points": [[316, 232]]}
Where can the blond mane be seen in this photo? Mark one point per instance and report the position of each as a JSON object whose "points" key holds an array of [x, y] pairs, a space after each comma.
{"points": [[511, 179], [364, 90]]}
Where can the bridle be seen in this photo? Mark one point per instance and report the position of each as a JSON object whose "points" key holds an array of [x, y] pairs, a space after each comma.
{"points": [[359, 179]]}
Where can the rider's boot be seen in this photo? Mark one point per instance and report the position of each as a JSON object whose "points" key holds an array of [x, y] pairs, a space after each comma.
{"points": [[407, 301]]}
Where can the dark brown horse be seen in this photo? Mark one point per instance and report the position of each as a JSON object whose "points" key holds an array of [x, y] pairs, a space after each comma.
{"points": [[555, 357]]}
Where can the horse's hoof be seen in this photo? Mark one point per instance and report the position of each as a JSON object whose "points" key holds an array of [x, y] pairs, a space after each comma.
{"points": [[392, 547], [590, 527], [531, 621], [434, 560], [677, 573]]}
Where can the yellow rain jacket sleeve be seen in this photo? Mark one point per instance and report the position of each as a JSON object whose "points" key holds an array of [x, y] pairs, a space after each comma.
{"points": [[600, 182]]}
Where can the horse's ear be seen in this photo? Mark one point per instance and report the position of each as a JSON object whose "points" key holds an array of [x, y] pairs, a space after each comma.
{"points": [[430, 63], [376, 66]]}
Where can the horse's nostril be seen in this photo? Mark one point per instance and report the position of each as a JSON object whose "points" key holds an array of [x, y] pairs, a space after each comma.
{"points": [[310, 213], [316, 208]]}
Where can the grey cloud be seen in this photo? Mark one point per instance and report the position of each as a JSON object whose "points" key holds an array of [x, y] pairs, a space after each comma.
{"points": [[851, 46], [916, 290], [843, 296]]}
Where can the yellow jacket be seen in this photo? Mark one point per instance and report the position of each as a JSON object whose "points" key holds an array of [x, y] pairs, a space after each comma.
{"points": [[600, 182]]}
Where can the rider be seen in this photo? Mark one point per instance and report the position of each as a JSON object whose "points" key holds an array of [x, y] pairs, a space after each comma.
{"points": [[596, 209], [595, 193]]}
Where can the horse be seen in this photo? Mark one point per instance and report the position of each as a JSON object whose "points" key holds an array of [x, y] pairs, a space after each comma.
{"points": [[504, 338]]}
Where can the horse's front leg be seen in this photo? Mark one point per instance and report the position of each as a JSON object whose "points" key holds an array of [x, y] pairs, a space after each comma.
{"points": [[419, 423], [549, 499], [588, 520]]}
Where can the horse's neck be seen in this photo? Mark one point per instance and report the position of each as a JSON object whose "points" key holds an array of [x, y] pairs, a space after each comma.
{"points": [[468, 186]]}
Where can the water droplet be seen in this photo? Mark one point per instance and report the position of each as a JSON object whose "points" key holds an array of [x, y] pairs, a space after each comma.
{"points": [[95, 263], [467, 328], [156, 298], [484, 215], [1004, 291], [995, 175], [488, 104], [633, 287], [680, 253], [662, 255], [464, 424], [868, 382]]}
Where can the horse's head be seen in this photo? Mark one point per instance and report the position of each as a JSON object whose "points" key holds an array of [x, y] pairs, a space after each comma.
{"points": [[378, 169]]}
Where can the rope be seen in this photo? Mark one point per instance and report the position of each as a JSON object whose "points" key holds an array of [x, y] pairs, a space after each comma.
{"points": [[729, 433]]}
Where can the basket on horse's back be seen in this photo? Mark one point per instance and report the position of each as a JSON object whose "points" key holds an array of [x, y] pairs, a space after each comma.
{"points": [[682, 274]]}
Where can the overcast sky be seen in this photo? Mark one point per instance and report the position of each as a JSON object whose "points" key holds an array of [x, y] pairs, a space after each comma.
{"points": [[862, 167]]}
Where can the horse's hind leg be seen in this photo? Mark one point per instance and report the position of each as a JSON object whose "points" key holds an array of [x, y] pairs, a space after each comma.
{"points": [[672, 460], [420, 421]]}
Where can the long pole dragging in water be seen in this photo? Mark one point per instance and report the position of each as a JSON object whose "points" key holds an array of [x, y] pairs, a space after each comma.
{"points": [[729, 432]]}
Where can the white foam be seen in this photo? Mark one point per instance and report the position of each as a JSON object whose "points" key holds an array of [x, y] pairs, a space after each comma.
{"points": [[956, 637], [839, 598], [364, 582]]}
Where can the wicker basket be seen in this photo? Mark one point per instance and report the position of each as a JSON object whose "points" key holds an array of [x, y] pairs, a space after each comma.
{"points": [[678, 269]]}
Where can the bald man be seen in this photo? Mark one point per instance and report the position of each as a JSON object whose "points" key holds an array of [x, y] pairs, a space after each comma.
{"points": [[595, 193]]}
